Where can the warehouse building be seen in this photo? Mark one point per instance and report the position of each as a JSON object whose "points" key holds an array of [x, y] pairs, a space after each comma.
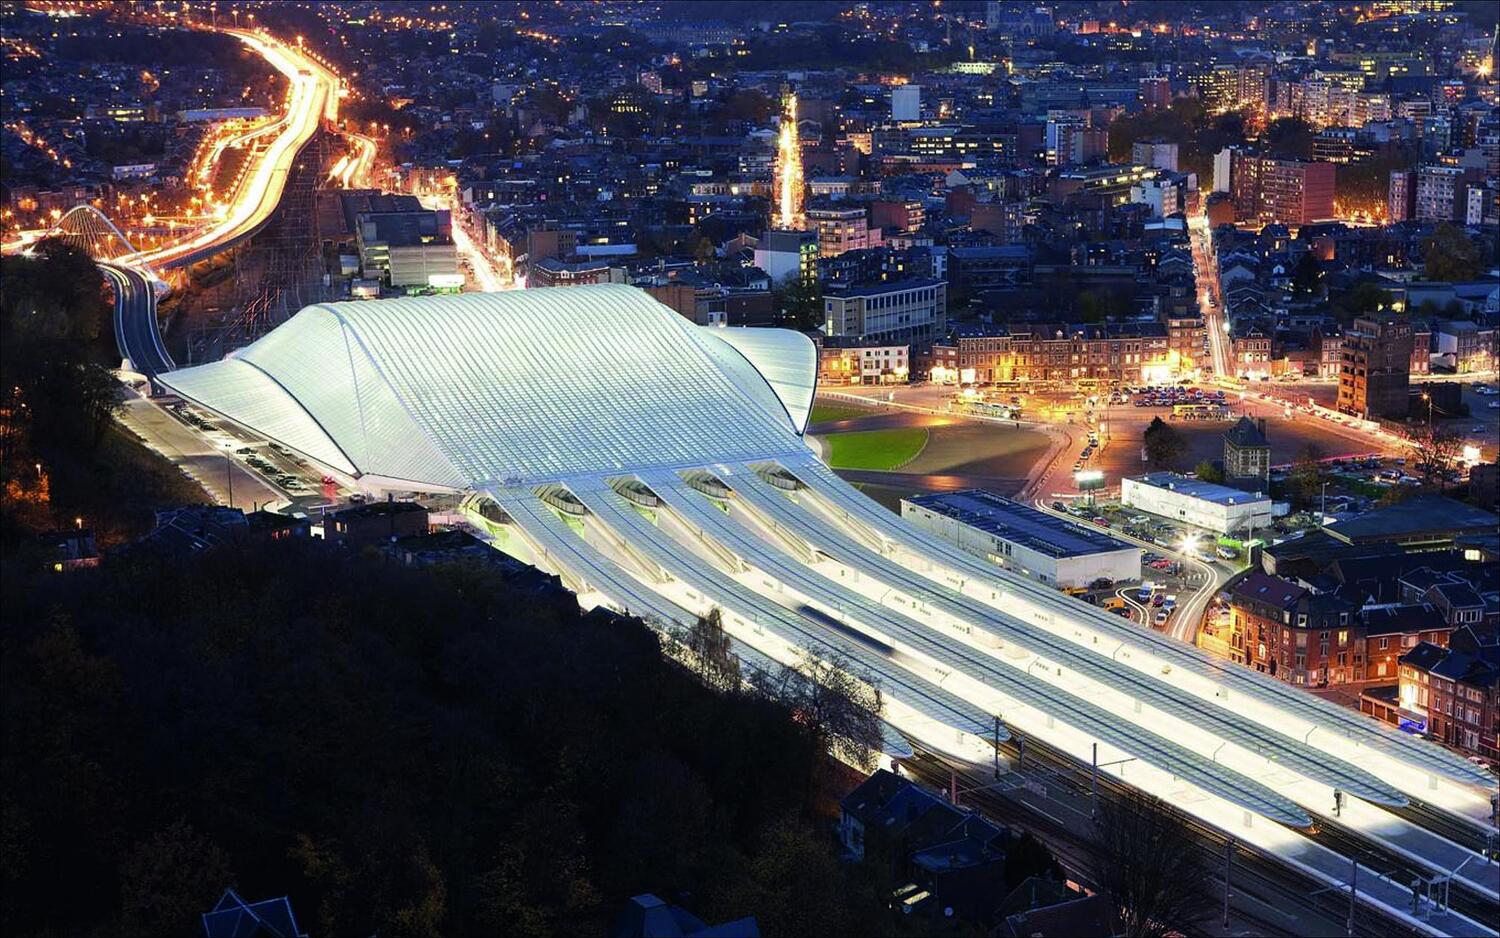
{"points": [[1023, 540], [1218, 508]]}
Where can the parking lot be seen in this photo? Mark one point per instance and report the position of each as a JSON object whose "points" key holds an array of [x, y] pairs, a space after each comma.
{"points": [[1167, 580], [301, 486]]}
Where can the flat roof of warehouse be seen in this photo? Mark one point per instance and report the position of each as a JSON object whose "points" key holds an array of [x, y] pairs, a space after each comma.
{"points": [[1208, 491], [1019, 524]]}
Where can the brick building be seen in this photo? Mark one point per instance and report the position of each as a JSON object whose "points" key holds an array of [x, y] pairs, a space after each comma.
{"points": [[1065, 352], [1455, 692], [1294, 634], [1376, 368]]}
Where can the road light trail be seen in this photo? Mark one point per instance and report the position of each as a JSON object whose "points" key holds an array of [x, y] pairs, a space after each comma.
{"points": [[313, 99]]}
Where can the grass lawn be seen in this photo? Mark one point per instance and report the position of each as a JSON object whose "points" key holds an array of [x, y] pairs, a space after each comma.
{"points": [[822, 413], [875, 449]]}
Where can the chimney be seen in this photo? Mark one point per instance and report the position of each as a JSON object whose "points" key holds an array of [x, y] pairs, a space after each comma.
{"points": [[1260, 422]]}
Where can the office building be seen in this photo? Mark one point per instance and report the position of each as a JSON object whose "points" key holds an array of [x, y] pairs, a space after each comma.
{"points": [[1216, 508], [1375, 368], [840, 229], [787, 255], [906, 310], [1272, 191], [907, 215], [1293, 192], [1165, 195], [408, 248], [1401, 201], [1157, 154], [1072, 141], [906, 103], [1020, 539], [1156, 92]]}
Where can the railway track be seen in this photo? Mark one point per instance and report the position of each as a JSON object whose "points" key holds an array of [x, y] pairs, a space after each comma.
{"points": [[1268, 896]]}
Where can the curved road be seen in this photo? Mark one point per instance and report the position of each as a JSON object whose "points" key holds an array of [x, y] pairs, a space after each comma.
{"points": [[313, 97], [1183, 624], [136, 330]]}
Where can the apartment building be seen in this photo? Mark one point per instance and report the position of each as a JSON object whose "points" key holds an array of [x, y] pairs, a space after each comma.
{"points": [[914, 310], [1375, 368], [841, 229], [1131, 352]]}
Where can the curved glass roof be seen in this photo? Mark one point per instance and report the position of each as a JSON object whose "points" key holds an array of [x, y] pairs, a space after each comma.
{"points": [[787, 359], [516, 387]]}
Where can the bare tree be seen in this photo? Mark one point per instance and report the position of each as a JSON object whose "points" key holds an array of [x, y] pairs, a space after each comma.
{"points": [[715, 659], [842, 701], [1151, 867], [1307, 473], [1437, 446]]}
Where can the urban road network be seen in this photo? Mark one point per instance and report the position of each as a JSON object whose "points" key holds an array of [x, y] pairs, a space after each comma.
{"points": [[789, 552]]}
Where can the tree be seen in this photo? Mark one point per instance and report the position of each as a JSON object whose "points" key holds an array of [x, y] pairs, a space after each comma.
{"points": [[780, 879], [1028, 857], [1206, 471], [56, 346], [1437, 446], [1363, 299], [433, 751], [799, 304], [1164, 444], [1308, 273], [1290, 138], [1149, 864], [1449, 254], [169, 880], [1306, 478], [713, 657], [840, 701]]}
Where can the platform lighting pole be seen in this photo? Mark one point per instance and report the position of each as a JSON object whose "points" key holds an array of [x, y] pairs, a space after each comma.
{"points": [[1228, 863], [1353, 890], [997, 745], [1094, 783], [229, 475]]}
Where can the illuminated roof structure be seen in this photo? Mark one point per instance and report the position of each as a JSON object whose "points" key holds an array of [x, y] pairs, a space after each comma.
{"points": [[658, 467], [526, 386]]}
